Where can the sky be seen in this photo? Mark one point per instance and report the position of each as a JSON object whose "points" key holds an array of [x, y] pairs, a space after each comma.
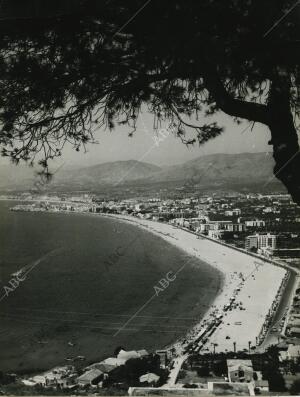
{"points": [[116, 145]]}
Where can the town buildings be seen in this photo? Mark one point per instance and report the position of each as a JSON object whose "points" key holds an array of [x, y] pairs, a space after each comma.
{"points": [[265, 224], [240, 370], [261, 241], [91, 377]]}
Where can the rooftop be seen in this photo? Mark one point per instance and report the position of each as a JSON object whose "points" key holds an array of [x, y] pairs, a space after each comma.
{"points": [[90, 375]]}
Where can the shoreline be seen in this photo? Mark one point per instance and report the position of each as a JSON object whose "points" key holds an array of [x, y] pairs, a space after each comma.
{"points": [[178, 304], [250, 285], [172, 240]]}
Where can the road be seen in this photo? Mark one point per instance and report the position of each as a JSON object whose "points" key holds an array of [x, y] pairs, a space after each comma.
{"points": [[282, 311], [175, 370]]}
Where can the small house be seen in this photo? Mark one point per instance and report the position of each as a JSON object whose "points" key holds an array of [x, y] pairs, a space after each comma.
{"points": [[90, 378], [240, 370], [293, 352], [150, 379]]}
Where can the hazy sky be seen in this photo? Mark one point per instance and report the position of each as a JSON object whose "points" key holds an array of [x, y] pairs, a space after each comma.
{"points": [[116, 145]]}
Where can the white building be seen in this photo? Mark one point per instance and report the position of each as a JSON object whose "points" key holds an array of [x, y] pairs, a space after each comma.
{"points": [[90, 378], [255, 223], [216, 234], [233, 212], [127, 355], [240, 370], [226, 226], [261, 241], [149, 378], [293, 352], [63, 377]]}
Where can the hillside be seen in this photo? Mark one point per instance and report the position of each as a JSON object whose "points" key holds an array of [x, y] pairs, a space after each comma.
{"points": [[221, 168], [211, 171], [111, 173]]}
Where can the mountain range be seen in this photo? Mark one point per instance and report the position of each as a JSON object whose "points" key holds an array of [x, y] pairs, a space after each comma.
{"points": [[215, 170]]}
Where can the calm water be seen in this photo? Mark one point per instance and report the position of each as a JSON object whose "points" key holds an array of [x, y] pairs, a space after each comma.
{"points": [[78, 296]]}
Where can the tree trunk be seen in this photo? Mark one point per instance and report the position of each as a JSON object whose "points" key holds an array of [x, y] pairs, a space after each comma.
{"points": [[276, 115], [284, 136]]}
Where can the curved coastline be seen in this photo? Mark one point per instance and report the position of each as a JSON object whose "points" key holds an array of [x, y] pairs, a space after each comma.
{"points": [[253, 284], [88, 239], [174, 241]]}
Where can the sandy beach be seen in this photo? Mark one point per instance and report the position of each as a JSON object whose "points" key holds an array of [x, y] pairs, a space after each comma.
{"points": [[87, 292], [249, 289]]}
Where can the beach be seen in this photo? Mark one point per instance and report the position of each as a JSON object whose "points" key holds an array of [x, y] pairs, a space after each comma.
{"points": [[213, 295], [102, 273], [250, 287]]}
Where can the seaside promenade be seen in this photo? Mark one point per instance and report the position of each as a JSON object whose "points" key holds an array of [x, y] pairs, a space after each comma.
{"points": [[251, 290]]}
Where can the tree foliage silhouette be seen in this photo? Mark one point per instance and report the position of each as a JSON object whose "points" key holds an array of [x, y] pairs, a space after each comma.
{"points": [[75, 66]]}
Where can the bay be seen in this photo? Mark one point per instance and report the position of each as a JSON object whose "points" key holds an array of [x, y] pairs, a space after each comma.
{"points": [[90, 287]]}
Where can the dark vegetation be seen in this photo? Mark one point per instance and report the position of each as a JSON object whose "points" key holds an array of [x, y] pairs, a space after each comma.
{"points": [[128, 375], [71, 67], [268, 364]]}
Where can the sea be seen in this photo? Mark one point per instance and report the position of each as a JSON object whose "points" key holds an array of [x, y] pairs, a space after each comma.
{"points": [[74, 287]]}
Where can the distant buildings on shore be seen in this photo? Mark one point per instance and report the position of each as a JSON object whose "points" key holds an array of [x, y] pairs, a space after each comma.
{"points": [[263, 224], [261, 242], [270, 245], [95, 375]]}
